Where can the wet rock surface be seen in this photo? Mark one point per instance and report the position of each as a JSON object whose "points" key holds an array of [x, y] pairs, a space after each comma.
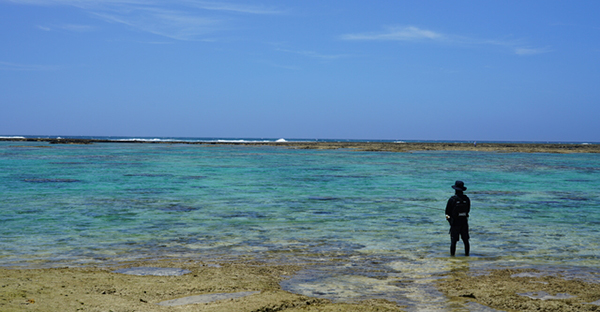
{"points": [[213, 287], [521, 290]]}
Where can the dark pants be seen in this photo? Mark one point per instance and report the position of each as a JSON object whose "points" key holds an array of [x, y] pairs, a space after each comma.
{"points": [[459, 229]]}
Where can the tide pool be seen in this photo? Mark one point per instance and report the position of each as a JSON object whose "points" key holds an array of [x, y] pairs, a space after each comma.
{"points": [[366, 219]]}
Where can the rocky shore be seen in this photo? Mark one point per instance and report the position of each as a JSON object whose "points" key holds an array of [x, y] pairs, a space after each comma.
{"points": [[365, 146], [254, 287], [521, 290], [243, 287]]}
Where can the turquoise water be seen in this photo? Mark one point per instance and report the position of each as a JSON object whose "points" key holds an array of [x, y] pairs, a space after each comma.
{"points": [[370, 220]]}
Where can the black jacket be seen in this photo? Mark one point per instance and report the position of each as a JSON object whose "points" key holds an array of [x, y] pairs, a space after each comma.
{"points": [[450, 208]]}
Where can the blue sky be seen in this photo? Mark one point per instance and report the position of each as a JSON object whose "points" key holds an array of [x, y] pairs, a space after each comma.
{"points": [[413, 70]]}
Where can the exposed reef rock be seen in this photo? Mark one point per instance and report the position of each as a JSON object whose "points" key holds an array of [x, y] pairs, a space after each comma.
{"points": [[366, 146], [70, 141]]}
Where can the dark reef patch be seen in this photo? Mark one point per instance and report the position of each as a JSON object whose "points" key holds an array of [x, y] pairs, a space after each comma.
{"points": [[178, 208], [51, 180]]}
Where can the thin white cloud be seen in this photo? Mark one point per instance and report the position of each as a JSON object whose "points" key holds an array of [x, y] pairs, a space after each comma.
{"points": [[206, 5], [412, 33], [171, 24], [175, 19], [67, 27], [531, 51], [286, 67], [517, 47], [313, 54], [407, 33], [85, 4], [156, 42], [234, 7], [77, 28], [26, 67]]}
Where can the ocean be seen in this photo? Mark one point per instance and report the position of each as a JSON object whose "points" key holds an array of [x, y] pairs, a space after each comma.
{"points": [[371, 224]]}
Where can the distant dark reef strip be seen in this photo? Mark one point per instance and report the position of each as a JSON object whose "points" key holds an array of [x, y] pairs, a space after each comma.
{"points": [[363, 146]]}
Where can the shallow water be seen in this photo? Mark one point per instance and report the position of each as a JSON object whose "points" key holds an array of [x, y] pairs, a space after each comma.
{"points": [[372, 222]]}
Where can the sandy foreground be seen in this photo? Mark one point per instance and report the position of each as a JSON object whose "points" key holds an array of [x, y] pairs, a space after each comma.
{"points": [[100, 289]]}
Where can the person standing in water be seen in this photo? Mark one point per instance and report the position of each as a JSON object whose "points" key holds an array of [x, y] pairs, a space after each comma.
{"points": [[457, 214]]}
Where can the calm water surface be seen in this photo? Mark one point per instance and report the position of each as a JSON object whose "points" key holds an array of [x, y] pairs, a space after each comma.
{"points": [[373, 222]]}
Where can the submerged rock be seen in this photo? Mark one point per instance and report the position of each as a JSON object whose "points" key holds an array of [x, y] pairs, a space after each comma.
{"points": [[206, 298], [153, 271], [542, 295]]}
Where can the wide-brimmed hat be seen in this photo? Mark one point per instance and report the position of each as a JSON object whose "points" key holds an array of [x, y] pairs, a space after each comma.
{"points": [[459, 186]]}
